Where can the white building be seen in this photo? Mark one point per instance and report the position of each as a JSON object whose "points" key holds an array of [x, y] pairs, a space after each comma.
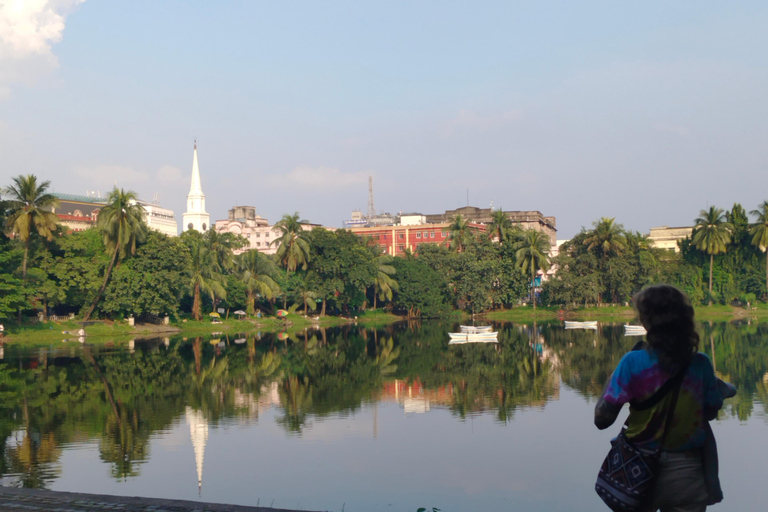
{"points": [[196, 217], [243, 221], [160, 219]]}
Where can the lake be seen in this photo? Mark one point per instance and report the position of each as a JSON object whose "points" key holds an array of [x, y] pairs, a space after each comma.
{"points": [[352, 419]]}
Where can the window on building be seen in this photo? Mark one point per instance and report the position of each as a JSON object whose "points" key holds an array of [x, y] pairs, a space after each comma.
{"points": [[418, 235], [258, 244], [400, 236], [443, 233], [400, 248], [431, 234], [258, 235]]}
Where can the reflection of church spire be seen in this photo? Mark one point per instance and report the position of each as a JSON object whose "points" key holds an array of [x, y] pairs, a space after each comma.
{"points": [[198, 432]]}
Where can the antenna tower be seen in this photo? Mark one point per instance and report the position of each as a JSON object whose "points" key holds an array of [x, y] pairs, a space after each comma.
{"points": [[371, 208]]}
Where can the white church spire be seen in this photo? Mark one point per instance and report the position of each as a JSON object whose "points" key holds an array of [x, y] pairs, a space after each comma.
{"points": [[196, 217]]}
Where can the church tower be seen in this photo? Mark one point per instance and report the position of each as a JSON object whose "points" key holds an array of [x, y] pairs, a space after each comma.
{"points": [[196, 217]]}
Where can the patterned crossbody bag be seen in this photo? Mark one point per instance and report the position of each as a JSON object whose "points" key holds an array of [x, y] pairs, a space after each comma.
{"points": [[625, 480]]}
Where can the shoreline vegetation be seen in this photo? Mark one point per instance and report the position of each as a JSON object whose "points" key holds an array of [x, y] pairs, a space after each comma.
{"points": [[107, 330], [119, 268]]}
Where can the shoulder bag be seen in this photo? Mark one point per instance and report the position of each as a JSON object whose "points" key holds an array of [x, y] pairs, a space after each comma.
{"points": [[625, 480]]}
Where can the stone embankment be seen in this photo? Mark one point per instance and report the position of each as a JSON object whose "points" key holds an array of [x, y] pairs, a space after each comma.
{"points": [[34, 500]]}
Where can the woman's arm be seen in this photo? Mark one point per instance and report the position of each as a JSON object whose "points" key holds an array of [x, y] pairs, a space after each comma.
{"points": [[605, 414]]}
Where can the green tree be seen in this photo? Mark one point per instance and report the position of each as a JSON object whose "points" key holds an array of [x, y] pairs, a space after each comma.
{"points": [[460, 233], [293, 249], [203, 273], [384, 284], [501, 226], [759, 232], [606, 239], [121, 222], [532, 255], [152, 281], [711, 234], [28, 203], [258, 273]]}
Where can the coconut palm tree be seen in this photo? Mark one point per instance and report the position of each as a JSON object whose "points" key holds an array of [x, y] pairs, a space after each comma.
{"points": [[711, 234], [28, 203], [121, 222], [293, 246], [501, 226], [759, 232], [257, 272], [383, 284], [460, 233], [532, 255], [606, 238], [203, 274]]}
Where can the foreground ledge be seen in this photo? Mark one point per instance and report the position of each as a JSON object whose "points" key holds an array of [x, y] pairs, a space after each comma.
{"points": [[26, 500]]}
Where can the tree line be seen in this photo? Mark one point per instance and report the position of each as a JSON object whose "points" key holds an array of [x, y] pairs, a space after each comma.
{"points": [[119, 267], [723, 261]]}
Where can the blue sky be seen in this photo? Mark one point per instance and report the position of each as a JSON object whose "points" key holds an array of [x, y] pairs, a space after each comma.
{"points": [[647, 112]]}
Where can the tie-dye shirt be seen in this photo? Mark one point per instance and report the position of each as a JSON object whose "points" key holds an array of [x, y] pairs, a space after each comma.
{"points": [[638, 376]]}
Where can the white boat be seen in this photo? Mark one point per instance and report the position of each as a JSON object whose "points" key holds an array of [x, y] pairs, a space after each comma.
{"points": [[581, 325], [475, 329], [634, 330], [473, 340], [473, 337]]}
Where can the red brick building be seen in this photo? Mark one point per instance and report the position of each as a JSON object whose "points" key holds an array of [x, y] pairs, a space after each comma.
{"points": [[394, 240]]}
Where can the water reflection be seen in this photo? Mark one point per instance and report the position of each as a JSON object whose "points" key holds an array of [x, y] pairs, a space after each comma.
{"points": [[118, 397]]}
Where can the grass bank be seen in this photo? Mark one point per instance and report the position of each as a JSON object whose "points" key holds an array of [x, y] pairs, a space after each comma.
{"points": [[620, 313], [105, 331]]}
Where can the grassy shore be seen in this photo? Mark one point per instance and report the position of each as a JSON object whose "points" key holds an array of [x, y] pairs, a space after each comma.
{"points": [[619, 313], [105, 331]]}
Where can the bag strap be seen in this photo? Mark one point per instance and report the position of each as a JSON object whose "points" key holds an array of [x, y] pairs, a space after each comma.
{"points": [[662, 391]]}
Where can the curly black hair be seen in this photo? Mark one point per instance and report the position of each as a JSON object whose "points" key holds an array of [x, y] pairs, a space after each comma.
{"points": [[667, 315]]}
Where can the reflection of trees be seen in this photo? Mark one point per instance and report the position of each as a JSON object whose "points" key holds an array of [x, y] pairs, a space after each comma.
{"points": [[501, 377], [740, 352]]}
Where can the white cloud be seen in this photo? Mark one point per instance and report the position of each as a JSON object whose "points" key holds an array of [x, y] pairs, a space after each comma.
{"points": [[319, 178], [170, 175], [28, 30], [104, 177]]}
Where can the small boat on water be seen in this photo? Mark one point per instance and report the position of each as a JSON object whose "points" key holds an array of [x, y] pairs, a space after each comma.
{"points": [[634, 330], [473, 336], [581, 325]]}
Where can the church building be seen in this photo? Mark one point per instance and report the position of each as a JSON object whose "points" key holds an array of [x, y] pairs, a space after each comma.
{"points": [[196, 217]]}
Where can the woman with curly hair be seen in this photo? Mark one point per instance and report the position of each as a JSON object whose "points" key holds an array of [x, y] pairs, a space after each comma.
{"points": [[670, 352]]}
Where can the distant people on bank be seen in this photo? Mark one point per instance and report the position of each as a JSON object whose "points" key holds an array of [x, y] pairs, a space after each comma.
{"points": [[665, 457]]}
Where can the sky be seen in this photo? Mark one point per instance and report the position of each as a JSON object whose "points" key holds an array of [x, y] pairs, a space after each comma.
{"points": [[646, 112]]}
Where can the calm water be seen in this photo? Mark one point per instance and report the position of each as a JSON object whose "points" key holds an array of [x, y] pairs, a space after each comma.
{"points": [[352, 419]]}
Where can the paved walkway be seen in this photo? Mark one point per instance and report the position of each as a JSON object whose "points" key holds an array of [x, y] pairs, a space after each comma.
{"points": [[26, 500]]}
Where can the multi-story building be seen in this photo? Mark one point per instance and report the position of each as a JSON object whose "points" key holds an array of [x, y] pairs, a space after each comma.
{"points": [[394, 240], [665, 237], [243, 221], [78, 213], [523, 219]]}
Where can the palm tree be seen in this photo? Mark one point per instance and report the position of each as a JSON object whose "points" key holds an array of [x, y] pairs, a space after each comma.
{"points": [[711, 234], [257, 271], [203, 274], [759, 232], [532, 255], [293, 247], [606, 238], [501, 226], [121, 222], [27, 202], [460, 233], [383, 284], [222, 245]]}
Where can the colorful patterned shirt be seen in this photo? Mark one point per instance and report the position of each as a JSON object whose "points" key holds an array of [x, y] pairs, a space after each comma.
{"points": [[638, 376]]}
